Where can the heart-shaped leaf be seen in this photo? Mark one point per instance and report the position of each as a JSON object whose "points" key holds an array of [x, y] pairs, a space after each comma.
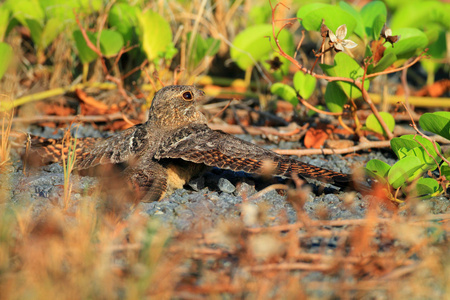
{"points": [[252, 45], [377, 169], [311, 16], [437, 122], [373, 124], [110, 42], [345, 66], [411, 41], [335, 97], [374, 16], [123, 17], [156, 34], [427, 188], [402, 170], [284, 91], [304, 84], [6, 54], [86, 54]]}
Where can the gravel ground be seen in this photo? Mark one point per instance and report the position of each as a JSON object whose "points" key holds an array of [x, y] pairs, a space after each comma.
{"points": [[216, 196]]}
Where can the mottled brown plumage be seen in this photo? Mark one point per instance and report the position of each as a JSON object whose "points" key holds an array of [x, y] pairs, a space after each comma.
{"points": [[176, 144]]}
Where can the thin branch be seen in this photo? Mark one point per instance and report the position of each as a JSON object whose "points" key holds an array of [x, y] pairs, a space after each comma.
{"points": [[327, 151]]}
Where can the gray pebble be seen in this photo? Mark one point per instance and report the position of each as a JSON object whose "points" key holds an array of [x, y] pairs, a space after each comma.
{"points": [[226, 186]]}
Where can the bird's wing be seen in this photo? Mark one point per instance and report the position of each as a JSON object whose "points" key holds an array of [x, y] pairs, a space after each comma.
{"points": [[115, 149], [90, 151], [200, 144]]}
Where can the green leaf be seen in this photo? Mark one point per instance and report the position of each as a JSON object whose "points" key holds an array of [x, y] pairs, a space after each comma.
{"points": [[304, 84], [345, 66], [35, 30], [419, 147], [437, 122], [373, 124], [386, 61], [123, 17], [4, 20], [156, 34], [427, 188], [6, 54], [421, 14], [260, 14], [311, 112], [90, 6], [335, 98], [374, 16], [252, 45], [284, 91], [377, 26], [51, 30], [359, 29], [411, 41], [201, 48], [402, 145], [61, 10], [110, 42], [377, 169], [86, 54], [401, 171], [334, 16], [26, 9], [445, 170]]}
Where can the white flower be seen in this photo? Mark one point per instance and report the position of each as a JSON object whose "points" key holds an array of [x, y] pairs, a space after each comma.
{"points": [[338, 41]]}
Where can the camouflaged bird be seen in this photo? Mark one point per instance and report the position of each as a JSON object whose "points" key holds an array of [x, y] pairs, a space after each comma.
{"points": [[175, 145]]}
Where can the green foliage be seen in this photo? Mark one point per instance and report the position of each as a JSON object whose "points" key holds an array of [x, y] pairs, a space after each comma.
{"points": [[333, 16], [417, 155], [202, 48], [377, 169], [156, 34], [373, 124], [437, 122], [402, 170], [304, 84], [338, 92], [374, 16], [286, 92], [123, 18], [6, 54], [4, 20], [86, 54], [252, 45]]}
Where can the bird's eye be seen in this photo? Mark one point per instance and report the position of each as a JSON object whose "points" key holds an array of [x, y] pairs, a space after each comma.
{"points": [[188, 96]]}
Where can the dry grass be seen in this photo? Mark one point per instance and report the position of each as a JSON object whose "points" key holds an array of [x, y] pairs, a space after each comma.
{"points": [[92, 254]]}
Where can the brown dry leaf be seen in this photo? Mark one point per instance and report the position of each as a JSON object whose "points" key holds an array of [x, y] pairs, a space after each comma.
{"points": [[316, 137], [377, 50], [90, 106], [436, 89]]}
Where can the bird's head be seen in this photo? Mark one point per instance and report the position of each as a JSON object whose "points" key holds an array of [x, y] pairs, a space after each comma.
{"points": [[175, 106]]}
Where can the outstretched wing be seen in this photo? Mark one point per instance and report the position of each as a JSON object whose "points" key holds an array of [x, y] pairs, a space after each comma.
{"points": [[200, 144], [90, 151], [42, 151], [115, 149]]}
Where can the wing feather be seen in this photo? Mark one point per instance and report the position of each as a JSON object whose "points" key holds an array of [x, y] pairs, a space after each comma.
{"points": [[200, 144]]}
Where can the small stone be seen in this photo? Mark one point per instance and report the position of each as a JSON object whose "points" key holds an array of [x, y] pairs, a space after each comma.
{"points": [[226, 186], [197, 184], [243, 188], [54, 168]]}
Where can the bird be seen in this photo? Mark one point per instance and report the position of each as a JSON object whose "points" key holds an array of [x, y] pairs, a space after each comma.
{"points": [[175, 145]]}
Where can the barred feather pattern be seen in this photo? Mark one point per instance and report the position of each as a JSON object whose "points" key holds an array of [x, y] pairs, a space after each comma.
{"points": [[200, 144]]}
